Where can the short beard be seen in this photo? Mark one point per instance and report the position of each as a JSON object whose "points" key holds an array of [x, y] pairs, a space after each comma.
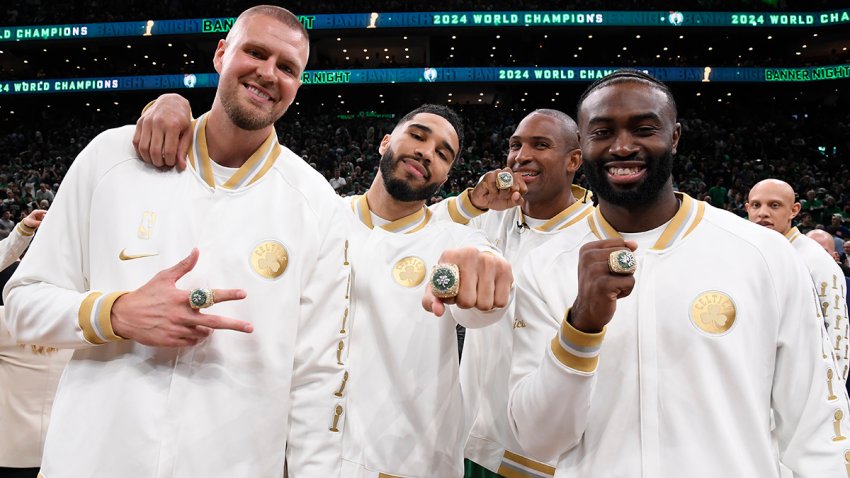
{"points": [[397, 188], [659, 169], [244, 120]]}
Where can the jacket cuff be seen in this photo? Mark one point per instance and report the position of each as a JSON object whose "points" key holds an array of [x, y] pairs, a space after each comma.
{"points": [[575, 349], [461, 209], [25, 230], [95, 317]]}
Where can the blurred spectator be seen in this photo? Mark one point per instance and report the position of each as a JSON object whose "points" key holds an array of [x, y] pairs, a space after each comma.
{"points": [[337, 182], [44, 193], [837, 229], [717, 193], [6, 224]]}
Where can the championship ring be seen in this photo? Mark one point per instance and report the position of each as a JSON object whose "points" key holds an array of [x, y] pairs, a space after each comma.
{"points": [[445, 281], [504, 180], [201, 298], [622, 262]]}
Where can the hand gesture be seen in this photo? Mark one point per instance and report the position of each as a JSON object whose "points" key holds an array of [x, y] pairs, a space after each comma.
{"points": [[159, 314]]}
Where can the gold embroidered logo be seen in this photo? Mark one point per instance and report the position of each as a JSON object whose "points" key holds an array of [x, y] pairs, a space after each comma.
{"points": [[269, 259], [409, 272], [337, 414], [129, 257], [713, 312], [832, 397], [519, 324], [145, 229], [338, 393], [836, 425]]}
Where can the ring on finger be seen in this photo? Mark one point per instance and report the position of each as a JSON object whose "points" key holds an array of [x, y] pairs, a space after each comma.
{"points": [[201, 298], [445, 281], [504, 180], [622, 262]]}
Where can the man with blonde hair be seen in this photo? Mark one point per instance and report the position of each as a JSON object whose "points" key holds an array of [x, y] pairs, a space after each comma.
{"points": [[151, 390]]}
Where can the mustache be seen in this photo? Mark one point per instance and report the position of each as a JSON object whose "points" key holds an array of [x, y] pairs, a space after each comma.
{"points": [[400, 158]]}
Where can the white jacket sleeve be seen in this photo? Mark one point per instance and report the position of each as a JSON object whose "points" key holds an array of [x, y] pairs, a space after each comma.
{"points": [[553, 369], [829, 284], [808, 399], [15, 244], [312, 448], [48, 301], [458, 209]]}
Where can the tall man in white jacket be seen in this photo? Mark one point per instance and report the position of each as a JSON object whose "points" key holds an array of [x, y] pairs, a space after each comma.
{"points": [[151, 391], [674, 370]]}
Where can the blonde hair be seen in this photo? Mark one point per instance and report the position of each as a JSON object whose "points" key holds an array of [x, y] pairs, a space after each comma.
{"points": [[278, 13]]}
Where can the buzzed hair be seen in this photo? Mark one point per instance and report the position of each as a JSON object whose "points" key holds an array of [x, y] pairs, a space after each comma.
{"points": [[567, 123], [628, 75], [278, 13], [446, 113]]}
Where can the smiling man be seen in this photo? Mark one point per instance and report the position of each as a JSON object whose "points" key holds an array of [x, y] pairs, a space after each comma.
{"points": [[771, 204], [661, 332], [543, 156], [151, 391], [406, 415]]}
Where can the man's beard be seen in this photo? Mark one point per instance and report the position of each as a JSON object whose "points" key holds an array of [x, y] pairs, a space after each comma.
{"points": [[242, 117], [400, 190], [658, 172]]}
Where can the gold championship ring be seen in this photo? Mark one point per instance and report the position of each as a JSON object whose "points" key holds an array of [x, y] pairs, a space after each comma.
{"points": [[504, 180], [622, 262], [445, 281], [201, 298]]}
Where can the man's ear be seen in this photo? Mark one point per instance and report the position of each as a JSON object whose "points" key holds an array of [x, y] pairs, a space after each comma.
{"points": [[219, 54], [385, 143], [677, 133], [795, 209]]}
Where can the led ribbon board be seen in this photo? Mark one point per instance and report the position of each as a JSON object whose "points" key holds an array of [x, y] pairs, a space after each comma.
{"points": [[431, 75], [349, 21]]}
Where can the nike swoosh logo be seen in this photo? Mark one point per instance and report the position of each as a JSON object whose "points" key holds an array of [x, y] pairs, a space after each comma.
{"points": [[129, 257]]}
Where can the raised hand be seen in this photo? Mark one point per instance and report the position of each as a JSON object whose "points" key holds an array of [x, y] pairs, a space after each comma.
{"points": [[598, 286], [484, 281], [159, 314], [33, 219], [487, 194]]}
